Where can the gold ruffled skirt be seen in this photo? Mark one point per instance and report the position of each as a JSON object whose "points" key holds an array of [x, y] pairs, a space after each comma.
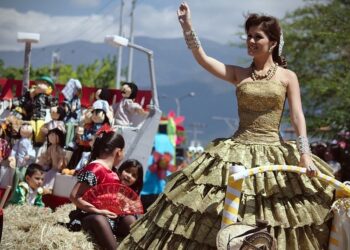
{"points": [[188, 214]]}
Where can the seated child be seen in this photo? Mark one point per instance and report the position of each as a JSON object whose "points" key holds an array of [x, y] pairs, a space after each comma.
{"points": [[130, 174], [30, 190], [107, 151]]}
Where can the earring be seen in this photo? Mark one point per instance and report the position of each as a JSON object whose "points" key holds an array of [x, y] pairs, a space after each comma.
{"points": [[270, 49]]}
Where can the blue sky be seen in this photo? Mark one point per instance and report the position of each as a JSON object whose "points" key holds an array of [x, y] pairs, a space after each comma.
{"points": [[90, 20]]}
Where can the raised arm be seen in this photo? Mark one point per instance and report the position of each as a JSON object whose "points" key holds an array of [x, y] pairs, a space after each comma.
{"points": [[223, 71], [298, 123]]}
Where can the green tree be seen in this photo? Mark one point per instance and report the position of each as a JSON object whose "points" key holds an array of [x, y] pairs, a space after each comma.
{"points": [[35, 73], [100, 73], [66, 72], [106, 74], [318, 50], [87, 73], [12, 73], [2, 64]]}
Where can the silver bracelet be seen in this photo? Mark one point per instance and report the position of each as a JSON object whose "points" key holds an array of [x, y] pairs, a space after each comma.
{"points": [[192, 39], [303, 145]]}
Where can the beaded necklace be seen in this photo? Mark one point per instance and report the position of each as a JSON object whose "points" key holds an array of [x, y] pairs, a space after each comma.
{"points": [[269, 74]]}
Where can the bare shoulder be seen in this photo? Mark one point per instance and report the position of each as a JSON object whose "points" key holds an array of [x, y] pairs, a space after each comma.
{"points": [[288, 77], [242, 73]]}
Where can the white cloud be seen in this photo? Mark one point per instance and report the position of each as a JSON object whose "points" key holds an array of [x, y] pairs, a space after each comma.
{"points": [[156, 23], [52, 30], [218, 20]]}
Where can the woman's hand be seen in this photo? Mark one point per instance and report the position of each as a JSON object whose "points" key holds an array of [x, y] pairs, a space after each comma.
{"points": [[107, 213], [306, 162], [184, 16]]}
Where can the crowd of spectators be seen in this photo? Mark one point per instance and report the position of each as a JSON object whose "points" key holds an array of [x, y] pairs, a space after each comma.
{"points": [[336, 153]]}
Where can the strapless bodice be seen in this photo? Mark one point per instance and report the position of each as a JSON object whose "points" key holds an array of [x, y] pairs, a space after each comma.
{"points": [[260, 108]]}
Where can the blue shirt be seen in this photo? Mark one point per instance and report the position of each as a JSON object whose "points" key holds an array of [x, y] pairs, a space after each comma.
{"points": [[152, 184]]}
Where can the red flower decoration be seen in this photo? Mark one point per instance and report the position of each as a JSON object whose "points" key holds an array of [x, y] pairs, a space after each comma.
{"points": [[161, 164]]}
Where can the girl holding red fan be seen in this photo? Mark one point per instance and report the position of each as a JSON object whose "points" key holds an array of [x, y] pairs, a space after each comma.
{"points": [[107, 152]]}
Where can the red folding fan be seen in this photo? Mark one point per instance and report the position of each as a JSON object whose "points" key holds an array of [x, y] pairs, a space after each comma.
{"points": [[114, 197]]}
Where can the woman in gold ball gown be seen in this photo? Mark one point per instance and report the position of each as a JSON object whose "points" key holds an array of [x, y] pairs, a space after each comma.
{"points": [[188, 214]]}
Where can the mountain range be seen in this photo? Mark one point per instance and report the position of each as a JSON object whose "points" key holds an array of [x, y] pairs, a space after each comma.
{"points": [[177, 74]]}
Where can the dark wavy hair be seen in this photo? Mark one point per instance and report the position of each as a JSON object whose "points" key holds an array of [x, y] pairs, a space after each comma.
{"points": [[106, 143], [61, 112], [272, 29], [137, 186], [105, 95], [133, 88], [59, 133]]}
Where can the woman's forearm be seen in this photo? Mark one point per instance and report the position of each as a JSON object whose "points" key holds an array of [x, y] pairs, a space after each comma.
{"points": [[190, 35], [210, 64], [299, 124]]}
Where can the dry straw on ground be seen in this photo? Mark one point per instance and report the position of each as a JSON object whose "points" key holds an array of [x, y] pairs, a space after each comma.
{"points": [[30, 227]]}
